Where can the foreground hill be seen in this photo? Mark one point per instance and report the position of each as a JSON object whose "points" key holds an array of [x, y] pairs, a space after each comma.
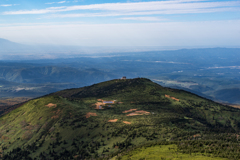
{"points": [[116, 116]]}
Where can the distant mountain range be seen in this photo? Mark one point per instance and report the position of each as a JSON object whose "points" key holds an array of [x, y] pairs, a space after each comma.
{"points": [[209, 72]]}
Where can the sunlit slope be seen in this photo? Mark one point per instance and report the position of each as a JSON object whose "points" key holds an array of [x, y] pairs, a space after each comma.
{"points": [[104, 118], [166, 152]]}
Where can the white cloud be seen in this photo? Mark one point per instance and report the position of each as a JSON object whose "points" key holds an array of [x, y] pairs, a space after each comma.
{"points": [[143, 18], [61, 2], [111, 14], [6, 5], [169, 7], [50, 3], [57, 2], [215, 33]]}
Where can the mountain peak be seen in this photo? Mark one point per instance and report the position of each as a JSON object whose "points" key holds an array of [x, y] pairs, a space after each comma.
{"points": [[106, 88]]}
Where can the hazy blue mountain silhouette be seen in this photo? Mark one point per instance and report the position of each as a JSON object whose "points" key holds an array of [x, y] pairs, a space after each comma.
{"points": [[9, 46]]}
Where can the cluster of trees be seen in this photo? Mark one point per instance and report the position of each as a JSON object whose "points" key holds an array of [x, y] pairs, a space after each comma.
{"points": [[123, 145], [17, 154], [211, 148]]}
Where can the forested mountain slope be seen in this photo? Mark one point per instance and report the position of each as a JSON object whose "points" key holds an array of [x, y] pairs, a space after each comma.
{"points": [[104, 119]]}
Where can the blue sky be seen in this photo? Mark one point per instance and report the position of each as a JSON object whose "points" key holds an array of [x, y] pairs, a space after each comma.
{"points": [[122, 23]]}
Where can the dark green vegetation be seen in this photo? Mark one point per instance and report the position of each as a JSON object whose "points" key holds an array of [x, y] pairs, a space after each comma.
{"points": [[57, 126]]}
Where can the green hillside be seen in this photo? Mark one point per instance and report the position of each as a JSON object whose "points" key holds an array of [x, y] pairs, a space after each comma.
{"points": [[114, 118], [166, 152]]}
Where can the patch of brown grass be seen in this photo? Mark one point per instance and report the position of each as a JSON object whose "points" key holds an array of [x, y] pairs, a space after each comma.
{"points": [[134, 114], [129, 110], [29, 127], [51, 105], [23, 123], [5, 138], [196, 135], [126, 122], [55, 117], [138, 113], [142, 112], [90, 114], [27, 135], [167, 96], [113, 120], [56, 114]]}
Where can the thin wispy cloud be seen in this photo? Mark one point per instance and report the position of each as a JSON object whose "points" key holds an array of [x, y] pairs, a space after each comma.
{"points": [[160, 7], [144, 18], [115, 14], [6, 5], [62, 2], [56, 2]]}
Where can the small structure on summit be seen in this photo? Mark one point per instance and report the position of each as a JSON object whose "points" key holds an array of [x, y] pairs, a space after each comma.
{"points": [[101, 103], [124, 77]]}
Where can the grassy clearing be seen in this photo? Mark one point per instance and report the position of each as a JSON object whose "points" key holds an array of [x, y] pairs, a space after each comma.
{"points": [[163, 152]]}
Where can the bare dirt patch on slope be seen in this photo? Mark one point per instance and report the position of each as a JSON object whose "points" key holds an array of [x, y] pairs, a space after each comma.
{"points": [[113, 120], [126, 122], [89, 114], [167, 96], [50, 105], [139, 113], [127, 111]]}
